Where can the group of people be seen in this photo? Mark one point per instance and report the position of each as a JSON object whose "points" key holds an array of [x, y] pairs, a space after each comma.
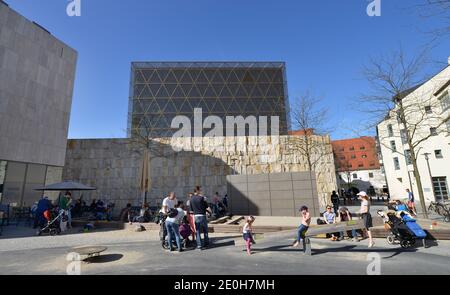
{"points": [[330, 217], [193, 213], [41, 210]]}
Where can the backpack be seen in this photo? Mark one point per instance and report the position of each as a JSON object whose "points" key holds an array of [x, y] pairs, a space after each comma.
{"points": [[173, 213]]}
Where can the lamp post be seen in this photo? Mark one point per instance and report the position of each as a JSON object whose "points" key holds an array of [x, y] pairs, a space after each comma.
{"points": [[427, 158]]}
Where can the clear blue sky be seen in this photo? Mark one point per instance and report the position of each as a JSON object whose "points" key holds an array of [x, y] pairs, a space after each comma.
{"points": [[323, 42]]}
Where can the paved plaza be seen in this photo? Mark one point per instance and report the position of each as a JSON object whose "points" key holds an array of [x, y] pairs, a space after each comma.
{"points": [[140, 253]]}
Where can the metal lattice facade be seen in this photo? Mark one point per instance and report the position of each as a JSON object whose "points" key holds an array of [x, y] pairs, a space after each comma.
{"points": [[161, 91]]}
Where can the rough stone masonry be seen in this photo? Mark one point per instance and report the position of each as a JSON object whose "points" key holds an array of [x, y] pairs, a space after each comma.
{"points": [[114, 165]]}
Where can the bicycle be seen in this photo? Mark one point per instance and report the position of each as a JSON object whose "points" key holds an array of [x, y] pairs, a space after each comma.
{"points": [[440, 209]]}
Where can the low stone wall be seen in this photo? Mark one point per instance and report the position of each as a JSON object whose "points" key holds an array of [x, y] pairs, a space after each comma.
{"points": [[114, 165]]}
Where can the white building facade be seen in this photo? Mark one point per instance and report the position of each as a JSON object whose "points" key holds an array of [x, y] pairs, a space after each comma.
{"points": [[427, 110]]}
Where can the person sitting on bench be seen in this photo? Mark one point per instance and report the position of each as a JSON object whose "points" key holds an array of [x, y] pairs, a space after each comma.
{"points": [[330, 218]]}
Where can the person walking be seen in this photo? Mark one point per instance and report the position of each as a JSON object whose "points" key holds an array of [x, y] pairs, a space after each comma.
{"points": [[303, 228], [190, 215], [199, 206], [411, 204], [365, 215], [247, 234]]}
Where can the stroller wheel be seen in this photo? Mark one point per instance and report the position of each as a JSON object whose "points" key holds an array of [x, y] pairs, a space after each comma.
{"points": [[447, 218], [38, 233], [53, 232], [390, 239], [404, 244], [412, 243]]}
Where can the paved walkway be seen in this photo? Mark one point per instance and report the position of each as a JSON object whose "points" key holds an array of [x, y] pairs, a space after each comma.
{"points": [[140, 253]]}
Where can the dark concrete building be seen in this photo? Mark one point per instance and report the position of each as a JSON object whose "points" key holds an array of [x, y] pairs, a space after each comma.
{"points": [[160, 91]]}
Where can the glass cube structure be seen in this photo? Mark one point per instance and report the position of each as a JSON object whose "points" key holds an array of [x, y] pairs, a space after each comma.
{"points": [[159, 91]]}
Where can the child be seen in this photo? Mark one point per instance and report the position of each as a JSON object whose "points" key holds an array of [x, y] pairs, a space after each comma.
{"points": [[303, 228], [247, 233]]}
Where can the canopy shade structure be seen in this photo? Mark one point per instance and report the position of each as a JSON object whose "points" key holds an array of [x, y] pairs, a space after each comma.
{"points": [[66, 186]]}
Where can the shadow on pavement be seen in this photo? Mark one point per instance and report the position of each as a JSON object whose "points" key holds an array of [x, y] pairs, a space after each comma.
{"points": [[104, 258]]}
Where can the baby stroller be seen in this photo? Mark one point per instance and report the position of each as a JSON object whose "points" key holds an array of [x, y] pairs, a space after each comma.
{"points": [[53, 223], [404, 229]]}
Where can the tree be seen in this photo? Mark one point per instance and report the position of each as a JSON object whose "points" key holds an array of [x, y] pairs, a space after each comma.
{"points": [[143, 143], [437, 9], [310, 119], [393, 80]]}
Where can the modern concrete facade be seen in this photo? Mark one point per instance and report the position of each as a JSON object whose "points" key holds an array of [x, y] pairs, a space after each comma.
{"points": [[160, 91], [37, 73], [276, 194], [427, 108]]}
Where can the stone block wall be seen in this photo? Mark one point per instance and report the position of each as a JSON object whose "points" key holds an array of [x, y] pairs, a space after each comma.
{"points": [[114, 165]]}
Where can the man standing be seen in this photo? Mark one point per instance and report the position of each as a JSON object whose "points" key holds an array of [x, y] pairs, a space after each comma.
{"points": [[411, 205], [169, 203], [335, 201], [199, 206]]}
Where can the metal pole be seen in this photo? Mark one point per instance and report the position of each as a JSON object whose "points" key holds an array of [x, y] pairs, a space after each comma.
{"points": [[429, 172]]}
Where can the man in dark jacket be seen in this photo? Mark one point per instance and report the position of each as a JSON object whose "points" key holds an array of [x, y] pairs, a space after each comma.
{"points": [[335, 201], [199, 206]]}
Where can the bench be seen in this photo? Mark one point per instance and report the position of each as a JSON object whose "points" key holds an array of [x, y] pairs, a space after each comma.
{"points": [[329, 229], [88, 251]]}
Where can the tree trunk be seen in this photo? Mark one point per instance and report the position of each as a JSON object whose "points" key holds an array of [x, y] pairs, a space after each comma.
{"points": [[413, 160]]}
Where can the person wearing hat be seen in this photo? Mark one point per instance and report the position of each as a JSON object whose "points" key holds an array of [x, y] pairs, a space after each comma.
{"points": [[365, 215]]}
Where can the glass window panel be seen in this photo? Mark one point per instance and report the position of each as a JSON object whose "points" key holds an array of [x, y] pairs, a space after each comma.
{"points": [[170, 89], [162, 93], [209, 73], [186, 107], [186, 89], [240, 74], [209, 92], [232, 78], [14, 180], [221, 90], [147, 74], [154, 88], [264, 87], [138, 88], [154, 78], [193, 75], [171, 78], [217, 77], [178, 92], [170, 107], [179, 75], [162, 73], [202, 89], [194, 92], [241, 92], [202, 77], [139, 77]]}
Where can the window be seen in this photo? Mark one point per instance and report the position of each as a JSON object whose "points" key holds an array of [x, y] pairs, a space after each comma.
{"points": [[390, 130], [433, 131], [342, 158], [393, 146], [341, 149], [396, 163], [362, 148], [360, 165], [355, 176], [370, 175], [352, 148], [440, 188], [403, 136], [445, 101], [438, 154], [408, 157], [428, 110], [364, 156], [353, 156], [372, 164]]}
